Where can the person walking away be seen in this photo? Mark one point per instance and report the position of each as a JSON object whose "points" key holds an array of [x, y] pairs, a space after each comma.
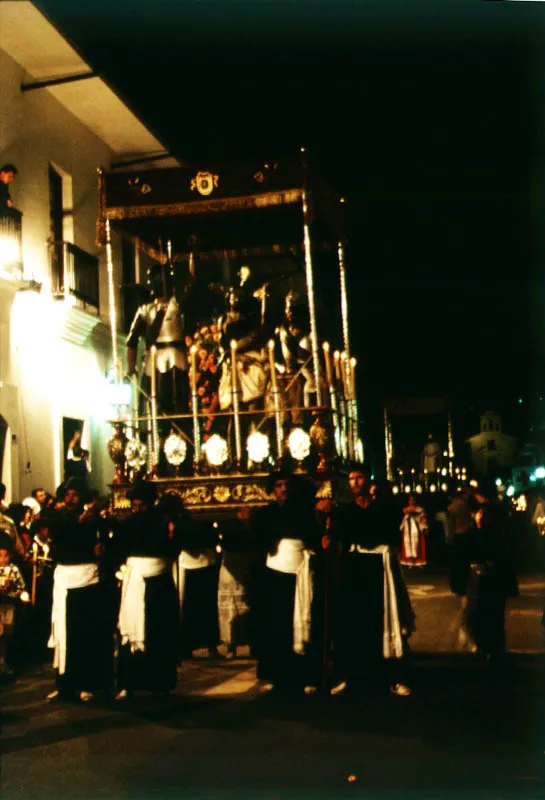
{"points": [[234, 583], [197, 583], [287, 658], [375, 614], [148, 614], [491, 581], [80, 634]]}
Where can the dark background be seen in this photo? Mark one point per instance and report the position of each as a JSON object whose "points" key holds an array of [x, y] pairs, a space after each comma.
{"points": [[425, 115]]}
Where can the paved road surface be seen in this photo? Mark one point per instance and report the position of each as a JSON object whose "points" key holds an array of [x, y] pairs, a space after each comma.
{"points": [[468, 730]]}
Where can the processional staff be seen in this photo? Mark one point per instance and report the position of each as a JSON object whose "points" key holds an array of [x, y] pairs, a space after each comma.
{"points": [[276, 399]]}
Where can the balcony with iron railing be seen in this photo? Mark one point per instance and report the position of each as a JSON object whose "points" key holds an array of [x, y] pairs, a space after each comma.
{"points": [[74, 273], [11, 236]]}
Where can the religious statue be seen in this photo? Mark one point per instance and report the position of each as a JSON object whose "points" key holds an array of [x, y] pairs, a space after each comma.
{"points": [[296, 351], [243, 337], [161, 324], [431, 456]]}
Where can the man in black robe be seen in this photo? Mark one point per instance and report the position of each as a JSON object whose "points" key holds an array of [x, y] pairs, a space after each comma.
{"points": [[289, 537], [80, 635], [375, 617], [148, 615]]}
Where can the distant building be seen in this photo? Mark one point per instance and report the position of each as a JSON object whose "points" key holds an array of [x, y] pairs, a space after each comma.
{"points": [[492, 450], [58, 124]]}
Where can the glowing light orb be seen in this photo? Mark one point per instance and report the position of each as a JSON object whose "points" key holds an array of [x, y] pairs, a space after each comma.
{"points": [[258, 447], [175, 449], [136, 454], [299, 444], [216, 450]]}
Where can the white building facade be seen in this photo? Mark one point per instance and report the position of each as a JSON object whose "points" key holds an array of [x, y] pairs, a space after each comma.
{"points": [[56, 343]]}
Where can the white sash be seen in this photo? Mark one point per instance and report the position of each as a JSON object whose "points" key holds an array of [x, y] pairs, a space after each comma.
{"points": [[190, 559], [392, 641], [292, 558], [66, 576], [411, 536], [132, 611]]}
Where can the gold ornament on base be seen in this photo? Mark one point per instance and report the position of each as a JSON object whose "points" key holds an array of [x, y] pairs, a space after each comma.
{"points": [[116, 449]]}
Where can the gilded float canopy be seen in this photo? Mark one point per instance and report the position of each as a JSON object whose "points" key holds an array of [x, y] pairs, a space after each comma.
{"points": [[235, 208]]}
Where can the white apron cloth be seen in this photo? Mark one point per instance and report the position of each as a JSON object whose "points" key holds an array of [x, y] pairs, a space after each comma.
{"points": [[392, 641], [191, 559], [292, 558], [411, 535], [132, 611], [66, 576]]}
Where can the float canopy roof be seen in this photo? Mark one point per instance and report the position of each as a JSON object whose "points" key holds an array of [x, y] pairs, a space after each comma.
{"points": [[243, 207]]}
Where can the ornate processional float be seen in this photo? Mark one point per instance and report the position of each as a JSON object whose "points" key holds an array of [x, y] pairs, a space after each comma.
{"points": [[238, 356]]}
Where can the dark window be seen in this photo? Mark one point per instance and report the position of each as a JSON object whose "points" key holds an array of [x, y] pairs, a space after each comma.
{"points": [[491, 444], [56, 218]]}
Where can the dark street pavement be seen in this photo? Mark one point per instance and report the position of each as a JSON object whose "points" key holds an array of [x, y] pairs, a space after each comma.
{"points": [[468, 730]]}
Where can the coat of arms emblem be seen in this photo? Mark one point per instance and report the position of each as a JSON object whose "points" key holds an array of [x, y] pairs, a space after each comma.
{"points": [[204, 183]]}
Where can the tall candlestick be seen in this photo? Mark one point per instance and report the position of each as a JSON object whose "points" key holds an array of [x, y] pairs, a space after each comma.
{"points": [[353, 363], [276, 399], [345, 376], [327, 360], [195, 403], [234, 379], [336, 361], [355, 430], [153, 406], [153, 373], [341, 403], [135, 389], [332, 392]]}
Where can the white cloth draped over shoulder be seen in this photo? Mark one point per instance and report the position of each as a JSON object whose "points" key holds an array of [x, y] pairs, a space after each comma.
{"points": [[392, 640], [66, 577], [191, 559], [291, 557], [132, 611]]}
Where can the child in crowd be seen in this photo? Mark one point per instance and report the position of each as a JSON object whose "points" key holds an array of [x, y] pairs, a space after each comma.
{"points": [[12, 591]]}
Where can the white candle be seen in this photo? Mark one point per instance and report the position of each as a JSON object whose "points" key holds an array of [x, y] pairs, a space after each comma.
{"points": [[327, 359], [272, 365], [193, 355], [153, 374]]}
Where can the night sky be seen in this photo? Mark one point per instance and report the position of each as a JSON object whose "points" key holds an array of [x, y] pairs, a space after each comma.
{"points": [[427, 116]]}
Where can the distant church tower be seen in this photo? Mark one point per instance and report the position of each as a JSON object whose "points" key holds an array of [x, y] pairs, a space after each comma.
{"points": [[492, 449]]}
